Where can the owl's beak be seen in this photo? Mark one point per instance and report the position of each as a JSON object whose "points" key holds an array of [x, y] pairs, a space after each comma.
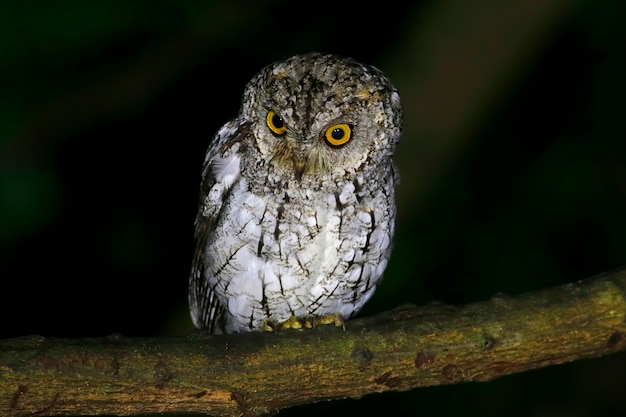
{"points": [[299, 166], [301, 160], [289, 153]]}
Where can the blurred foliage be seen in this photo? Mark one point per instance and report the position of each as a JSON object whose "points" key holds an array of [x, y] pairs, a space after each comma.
{"points": [[106, 109]]}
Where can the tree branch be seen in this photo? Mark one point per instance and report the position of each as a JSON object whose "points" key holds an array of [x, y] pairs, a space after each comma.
{"points": [[251, 374]]}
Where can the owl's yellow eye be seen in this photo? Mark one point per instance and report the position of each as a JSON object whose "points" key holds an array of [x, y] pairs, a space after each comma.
{"points": [[275, 123], [338, 134]]}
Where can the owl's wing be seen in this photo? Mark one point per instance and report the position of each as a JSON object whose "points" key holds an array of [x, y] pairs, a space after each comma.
{"points": [[206, 311], [220, 171]]}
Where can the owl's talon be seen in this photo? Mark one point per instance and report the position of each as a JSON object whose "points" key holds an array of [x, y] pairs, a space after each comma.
{"points": [[292, 322], [334, 318], [307, 322], [269, 325], [310, 321]]}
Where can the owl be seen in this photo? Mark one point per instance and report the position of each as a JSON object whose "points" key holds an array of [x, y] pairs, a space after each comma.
{"points": [[296, 210]]}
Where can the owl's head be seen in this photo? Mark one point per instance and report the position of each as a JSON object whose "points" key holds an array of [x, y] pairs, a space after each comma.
{"points": [[316, 114]]}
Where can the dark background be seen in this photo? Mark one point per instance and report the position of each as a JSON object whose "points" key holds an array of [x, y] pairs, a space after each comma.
{"points": [[513, 166]]}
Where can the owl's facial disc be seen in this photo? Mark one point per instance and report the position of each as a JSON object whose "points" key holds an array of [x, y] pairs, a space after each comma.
{"points": [[305, 151]]}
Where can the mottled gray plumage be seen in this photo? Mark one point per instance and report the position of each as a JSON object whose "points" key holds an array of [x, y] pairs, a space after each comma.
{"points": [[296, 211]]}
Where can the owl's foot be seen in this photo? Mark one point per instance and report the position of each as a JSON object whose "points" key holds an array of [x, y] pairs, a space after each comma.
{"points": [[306, 322], [334, 318]]}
